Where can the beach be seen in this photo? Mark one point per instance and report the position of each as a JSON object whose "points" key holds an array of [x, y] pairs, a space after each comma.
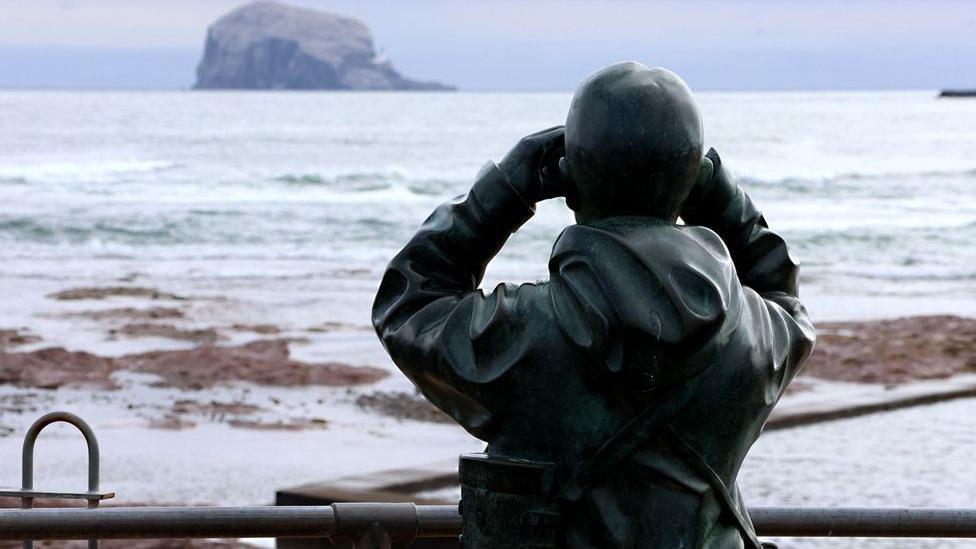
{"points": [[193, 274]]}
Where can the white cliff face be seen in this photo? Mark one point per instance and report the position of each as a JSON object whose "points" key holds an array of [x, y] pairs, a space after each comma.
{"points": [[268, 45]]}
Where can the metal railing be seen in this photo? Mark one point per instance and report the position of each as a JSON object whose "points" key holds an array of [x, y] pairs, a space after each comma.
{"points": [[406, 522], [27, 494], [399, 523], [380, 525]]}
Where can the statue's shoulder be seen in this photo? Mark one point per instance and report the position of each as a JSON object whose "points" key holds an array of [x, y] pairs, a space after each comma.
{"points": [[669, 281], [668, 243]]}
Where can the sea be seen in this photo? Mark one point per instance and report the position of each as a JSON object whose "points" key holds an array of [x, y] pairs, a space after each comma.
{"points": [[283, 209], [301, 198]]}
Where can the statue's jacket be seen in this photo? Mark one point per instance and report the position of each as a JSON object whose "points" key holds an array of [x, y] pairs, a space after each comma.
{"points": [[700, 320]]}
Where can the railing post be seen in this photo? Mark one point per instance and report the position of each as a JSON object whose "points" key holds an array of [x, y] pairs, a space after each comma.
{"points": [[27, 493]]}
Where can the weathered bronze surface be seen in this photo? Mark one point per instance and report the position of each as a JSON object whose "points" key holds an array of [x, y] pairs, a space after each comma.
{"points": [[619, 398]]}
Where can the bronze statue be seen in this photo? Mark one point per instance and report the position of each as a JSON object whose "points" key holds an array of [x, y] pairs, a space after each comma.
{"points": [[619, 398]]}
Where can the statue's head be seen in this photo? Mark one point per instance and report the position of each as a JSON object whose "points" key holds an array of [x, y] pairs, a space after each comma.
{"points": [[633, 144]]}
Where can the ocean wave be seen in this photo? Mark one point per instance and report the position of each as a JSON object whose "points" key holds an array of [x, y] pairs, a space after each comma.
{"points": [[230, 229], [355, 182], [80, 171], [301, 179], [367, 181], [379, 193], [812, 181], [906, 275], [343, 177], [43, 231]]}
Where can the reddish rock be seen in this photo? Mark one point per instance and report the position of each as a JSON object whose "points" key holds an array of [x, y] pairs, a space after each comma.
{"points": [[129, 313], [264, 362], [214, 408], [894, 351], [280, 425], [55, 366], [263, 329], [168, 331], [402, 405], [13, 338], [104, 292]]}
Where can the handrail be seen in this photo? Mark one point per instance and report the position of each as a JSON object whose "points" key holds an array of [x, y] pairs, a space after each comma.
{"points": [[868, 522], [377, 525], [404, 522]]}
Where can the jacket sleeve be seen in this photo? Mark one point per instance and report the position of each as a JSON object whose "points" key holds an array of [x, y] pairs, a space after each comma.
{"points": [[449, 338], [763, 263]]}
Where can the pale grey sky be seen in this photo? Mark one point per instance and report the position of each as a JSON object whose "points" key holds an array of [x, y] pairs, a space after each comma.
{"points": [[525, 45]]}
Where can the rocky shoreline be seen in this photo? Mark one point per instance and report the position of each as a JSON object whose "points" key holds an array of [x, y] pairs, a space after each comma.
{"points": [[887, 352], [263, 362]]}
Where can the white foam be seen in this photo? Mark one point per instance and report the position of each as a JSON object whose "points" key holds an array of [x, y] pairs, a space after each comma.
{"points": [[47, 172]]}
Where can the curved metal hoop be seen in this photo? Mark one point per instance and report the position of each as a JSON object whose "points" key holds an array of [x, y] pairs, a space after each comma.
{"points": [[27, 474], [27, 464]]}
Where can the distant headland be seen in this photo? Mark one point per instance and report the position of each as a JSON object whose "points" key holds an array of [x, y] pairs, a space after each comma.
{"points": [[958, 93], [271, 46]]}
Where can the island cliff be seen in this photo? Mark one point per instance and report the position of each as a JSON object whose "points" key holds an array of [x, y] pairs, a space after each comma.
{"points": [[958, 93], [268, 45]]}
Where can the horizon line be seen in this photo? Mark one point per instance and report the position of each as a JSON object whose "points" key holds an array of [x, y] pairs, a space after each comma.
{"points": [[464, 90]]}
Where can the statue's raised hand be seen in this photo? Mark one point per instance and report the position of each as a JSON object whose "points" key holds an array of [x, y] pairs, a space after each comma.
{"points": [[715, 189], [532, 164]]}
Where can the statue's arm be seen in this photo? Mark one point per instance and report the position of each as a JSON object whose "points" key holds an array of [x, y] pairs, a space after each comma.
{"points": [[762, 259], [447, 257], [437, 326]]}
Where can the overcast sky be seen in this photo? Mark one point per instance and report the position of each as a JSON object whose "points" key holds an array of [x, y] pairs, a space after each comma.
{"points": [[525, 45]]}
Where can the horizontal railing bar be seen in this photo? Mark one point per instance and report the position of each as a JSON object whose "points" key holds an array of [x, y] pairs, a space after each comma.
{"points": [[402, 521], [864, 522], [166, 522], [406, 522]]}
